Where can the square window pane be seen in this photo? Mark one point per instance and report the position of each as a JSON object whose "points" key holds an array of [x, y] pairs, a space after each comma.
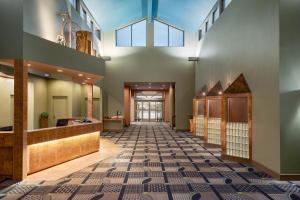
{"points": [[176, 37], [73, 2], [160, 34], [124, 37], [226, 3], [139, 34]]}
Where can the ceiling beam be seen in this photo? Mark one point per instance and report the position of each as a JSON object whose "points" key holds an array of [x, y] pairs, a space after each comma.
{"points": [[152, 7], [150, 15]]}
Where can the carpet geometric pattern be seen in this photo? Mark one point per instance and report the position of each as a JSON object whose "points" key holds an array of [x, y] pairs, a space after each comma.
{"points": [[159, 163]]}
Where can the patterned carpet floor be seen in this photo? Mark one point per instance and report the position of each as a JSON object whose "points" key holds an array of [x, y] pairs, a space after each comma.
{"points": [[158, 163]]}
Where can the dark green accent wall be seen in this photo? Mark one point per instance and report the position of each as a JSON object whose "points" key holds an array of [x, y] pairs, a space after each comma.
{"points": [[290, 86]]}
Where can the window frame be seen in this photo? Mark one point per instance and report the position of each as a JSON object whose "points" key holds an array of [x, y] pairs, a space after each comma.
{"points": [[200, 34], [116, 34], [98, 34], [73, 3], [183, 35]]}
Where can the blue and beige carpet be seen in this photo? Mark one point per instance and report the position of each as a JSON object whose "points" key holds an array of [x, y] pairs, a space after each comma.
{"points": [[158, 163]]}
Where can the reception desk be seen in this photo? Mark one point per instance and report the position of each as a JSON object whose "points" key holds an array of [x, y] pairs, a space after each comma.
{"points": [[52, 146]]}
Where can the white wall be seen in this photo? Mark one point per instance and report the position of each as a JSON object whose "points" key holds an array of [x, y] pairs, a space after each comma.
{"points": [[40, 18]]}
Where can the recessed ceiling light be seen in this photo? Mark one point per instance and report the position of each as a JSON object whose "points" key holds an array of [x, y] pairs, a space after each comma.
{"points": [[59, 70], [203, 93], [220, 92], [28, 64], [149, 87], [83, 83], [80, 75], [46, 75], [88, 78]]}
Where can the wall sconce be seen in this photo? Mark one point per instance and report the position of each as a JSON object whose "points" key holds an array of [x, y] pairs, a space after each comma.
{"points": [[195, 59]]}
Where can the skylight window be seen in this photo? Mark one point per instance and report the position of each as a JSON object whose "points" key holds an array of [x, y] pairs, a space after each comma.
{"points": [[167, 36], [226, 3], [73, 3], [132, 35]]}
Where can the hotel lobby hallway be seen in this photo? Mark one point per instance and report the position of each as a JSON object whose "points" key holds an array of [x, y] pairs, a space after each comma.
{"points": [[159, 163]]}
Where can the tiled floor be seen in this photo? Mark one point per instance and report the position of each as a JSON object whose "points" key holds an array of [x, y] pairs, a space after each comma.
{"points": [[158, 163]]}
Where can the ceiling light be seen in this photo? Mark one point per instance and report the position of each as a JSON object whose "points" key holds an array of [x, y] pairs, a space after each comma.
{"points": [[203, 93], [80, 75], [83, 83], [28, 64], [220, 92], [88, 78], [59, 70], [46, 75]]}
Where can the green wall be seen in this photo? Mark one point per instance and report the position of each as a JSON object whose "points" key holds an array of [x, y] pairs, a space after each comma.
{"points": [[138, 64], [245, 39], [290, 86], [11, 20]]}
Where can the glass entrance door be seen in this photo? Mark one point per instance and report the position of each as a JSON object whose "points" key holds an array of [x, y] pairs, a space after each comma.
{"points": [[149, 111], [159, 111], [146, 111], [152, 111]]}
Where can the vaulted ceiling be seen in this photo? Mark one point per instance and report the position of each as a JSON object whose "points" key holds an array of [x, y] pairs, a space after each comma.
{"points": [[185, 14]]}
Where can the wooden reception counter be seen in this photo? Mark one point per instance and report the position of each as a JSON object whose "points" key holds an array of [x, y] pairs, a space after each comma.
{"points": [[52, 146], [6, 153]]}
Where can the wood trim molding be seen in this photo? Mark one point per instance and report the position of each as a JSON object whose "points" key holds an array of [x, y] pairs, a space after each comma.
{"points": [[265, 169], [127, 105], [278, 176], [6, 139], [56, 133], [90, 101], [20, 120]]}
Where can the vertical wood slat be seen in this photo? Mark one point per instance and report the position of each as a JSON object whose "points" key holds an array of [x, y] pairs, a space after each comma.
{"points": [[89, 101], [20, 120], [194, 117], [127, 106]]}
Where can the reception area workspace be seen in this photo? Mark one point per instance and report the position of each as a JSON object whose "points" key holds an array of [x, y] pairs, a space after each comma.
{"points": [[50, 115]]}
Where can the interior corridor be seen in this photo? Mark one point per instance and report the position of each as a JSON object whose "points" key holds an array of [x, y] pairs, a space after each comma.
{"points": [[159, 163]]}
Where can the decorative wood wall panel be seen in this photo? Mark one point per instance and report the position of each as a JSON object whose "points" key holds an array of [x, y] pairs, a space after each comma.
{"points": [[84, 42], [201, 107], [237, 109], [48, 154], [20, 120], [6, 154], [214, 108], [127, 106]]}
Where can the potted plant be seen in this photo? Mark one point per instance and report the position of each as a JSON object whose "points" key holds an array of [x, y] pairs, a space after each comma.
{"points": [[44, 120]]}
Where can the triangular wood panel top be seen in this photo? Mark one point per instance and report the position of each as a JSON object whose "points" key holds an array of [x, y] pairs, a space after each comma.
{"points": [[238, 86], [215, 91], [201, 93]]}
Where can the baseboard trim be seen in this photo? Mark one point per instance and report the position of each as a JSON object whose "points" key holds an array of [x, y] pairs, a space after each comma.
{"points": [[265, 169], [281, 177]]}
